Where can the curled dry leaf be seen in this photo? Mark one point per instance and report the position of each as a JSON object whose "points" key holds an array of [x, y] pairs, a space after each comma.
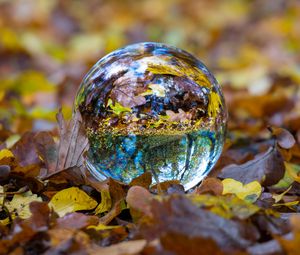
{"points": [[67, 155], [283, 137], [267, 168]]}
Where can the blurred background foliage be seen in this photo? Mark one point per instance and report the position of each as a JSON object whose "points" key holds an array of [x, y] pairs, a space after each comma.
{"points": [[46, 47]]}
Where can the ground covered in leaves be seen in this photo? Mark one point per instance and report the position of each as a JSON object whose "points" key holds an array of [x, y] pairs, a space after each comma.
{"points": [[49, 204]]}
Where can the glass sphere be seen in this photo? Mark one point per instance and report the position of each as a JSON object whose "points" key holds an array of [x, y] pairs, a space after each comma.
{"points": [[152, 107]]}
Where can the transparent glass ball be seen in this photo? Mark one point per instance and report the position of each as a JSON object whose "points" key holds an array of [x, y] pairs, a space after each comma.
{"points": [[152, 107]]}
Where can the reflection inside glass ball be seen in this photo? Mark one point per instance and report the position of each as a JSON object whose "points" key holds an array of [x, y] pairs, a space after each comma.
{"points": [[152, 107]]}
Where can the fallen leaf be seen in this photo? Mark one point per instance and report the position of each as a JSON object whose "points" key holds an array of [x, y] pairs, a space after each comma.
{"points": [[19, 205], [117, 194], [180, 244], [68, 153], [102, 227], [156, 89], [5, 153], [105, 204], [40, 216], [71, 200], [143, 180], [178, 215], [278, 197], [249, 192], [67, 241], [290, 245], [292, 171], [283, 137], [225, 206], [210, 185], [214, 104], [130, 248], [117, 108], [266, 168], [138, 200], [76, 221]]}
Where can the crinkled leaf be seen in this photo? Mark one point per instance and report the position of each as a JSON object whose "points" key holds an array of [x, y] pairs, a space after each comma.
{"points": [[249, 192], [19, 205], [225, 206], [266, 168]]}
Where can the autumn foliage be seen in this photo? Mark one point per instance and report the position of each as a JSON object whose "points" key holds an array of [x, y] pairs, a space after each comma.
{"points": [[50, 204]]}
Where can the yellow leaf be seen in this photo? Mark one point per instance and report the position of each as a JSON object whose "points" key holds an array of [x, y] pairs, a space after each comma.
{"points": [[30, 82], [287, 204], [1, 197], [11, 140], [180, 71], [292, 170], [248, 192], [43, 113], [164, 69], [105, 204], [118, 108], [156, 89], [2, 94], [280, 196], [102, 227], [71, 200], [19, 205], [9, 38], [5, 153], [226, 207], [214, 104]]}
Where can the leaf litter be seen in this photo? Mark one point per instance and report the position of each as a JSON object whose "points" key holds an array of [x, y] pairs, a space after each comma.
{"points": [[50, 204]]}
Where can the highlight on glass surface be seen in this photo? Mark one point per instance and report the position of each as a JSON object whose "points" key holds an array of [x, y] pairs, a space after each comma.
{"points": [[152, 107]]}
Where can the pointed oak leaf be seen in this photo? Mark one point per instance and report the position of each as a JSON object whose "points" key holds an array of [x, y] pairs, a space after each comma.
{"points": [[266, 168], [73, 142], [67, 155]]}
